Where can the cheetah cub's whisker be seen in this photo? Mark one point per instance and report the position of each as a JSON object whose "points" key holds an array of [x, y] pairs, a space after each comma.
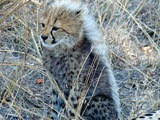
{"points": [[74, 53]]}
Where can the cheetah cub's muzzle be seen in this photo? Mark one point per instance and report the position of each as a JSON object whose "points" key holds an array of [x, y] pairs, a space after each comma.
{"points": [[48, 40]]}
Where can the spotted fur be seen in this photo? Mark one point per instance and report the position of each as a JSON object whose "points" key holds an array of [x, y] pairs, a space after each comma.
{"points": [[149, 116], [74, 53]]}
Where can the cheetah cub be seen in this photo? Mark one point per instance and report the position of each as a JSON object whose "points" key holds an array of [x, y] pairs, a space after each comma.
{"points": [[74, 54]]}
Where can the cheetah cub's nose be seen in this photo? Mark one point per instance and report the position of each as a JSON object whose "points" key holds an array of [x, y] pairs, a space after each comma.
{"points": [[44, 37]]}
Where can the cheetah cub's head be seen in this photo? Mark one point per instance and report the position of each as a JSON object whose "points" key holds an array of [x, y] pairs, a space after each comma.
{"points": [[61, 22]]}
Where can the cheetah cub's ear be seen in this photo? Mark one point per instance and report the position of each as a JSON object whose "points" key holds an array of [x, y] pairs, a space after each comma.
{"points": [[82, 11]]}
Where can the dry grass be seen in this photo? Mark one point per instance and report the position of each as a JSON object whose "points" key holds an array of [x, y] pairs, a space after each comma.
{"points": [[132, 33]]}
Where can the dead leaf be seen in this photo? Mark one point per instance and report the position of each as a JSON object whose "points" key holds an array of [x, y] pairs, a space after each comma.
{"points": [[39, 81]]}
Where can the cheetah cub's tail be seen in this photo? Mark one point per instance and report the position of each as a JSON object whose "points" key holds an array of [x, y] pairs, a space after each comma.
{"points": [[149, 116]]}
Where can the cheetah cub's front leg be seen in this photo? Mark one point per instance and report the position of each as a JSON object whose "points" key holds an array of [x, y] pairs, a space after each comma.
{"points": [[74, 54]]}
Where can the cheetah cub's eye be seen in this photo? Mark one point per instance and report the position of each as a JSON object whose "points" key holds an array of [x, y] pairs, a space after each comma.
{"points": [[43, 25], [55, 28]]}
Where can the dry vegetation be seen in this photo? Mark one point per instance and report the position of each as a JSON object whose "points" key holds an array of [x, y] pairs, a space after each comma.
{"points": [[132, 32]]}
